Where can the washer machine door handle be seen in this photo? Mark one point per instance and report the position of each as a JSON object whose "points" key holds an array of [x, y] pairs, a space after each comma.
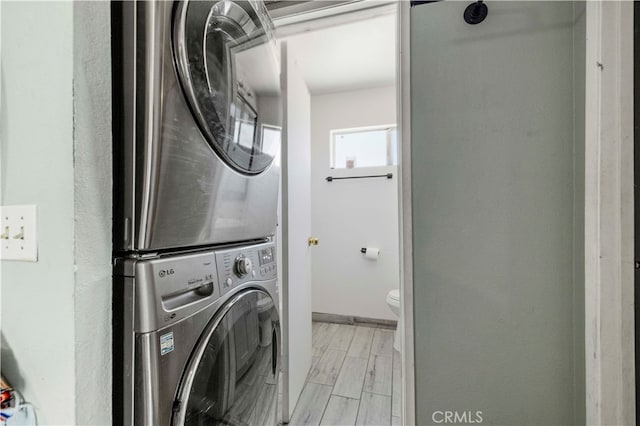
{"points": [[187, 296]]}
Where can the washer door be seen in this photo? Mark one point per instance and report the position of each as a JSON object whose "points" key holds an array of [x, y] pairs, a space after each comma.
{"points": [[226, 61], [232, 375]]}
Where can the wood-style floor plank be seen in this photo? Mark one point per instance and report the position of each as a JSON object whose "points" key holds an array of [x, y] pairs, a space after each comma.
{"points": [[342, 337], [322, 337], [374, 410], [396, 391], [340, 411], [382, 342], [379, 375], [314, 362], [311, 405], [351, 378], [354, 378], [361, 342], [328, 367]]}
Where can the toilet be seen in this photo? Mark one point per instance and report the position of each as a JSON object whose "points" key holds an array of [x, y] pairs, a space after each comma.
{"points": [[393, 300]]}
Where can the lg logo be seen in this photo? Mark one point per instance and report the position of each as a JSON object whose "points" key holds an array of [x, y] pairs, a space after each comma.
{"points": [[465, 417], [166, 272]]}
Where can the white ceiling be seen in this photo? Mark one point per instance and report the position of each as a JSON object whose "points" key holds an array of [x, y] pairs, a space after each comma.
{"points": [[350, 56]]}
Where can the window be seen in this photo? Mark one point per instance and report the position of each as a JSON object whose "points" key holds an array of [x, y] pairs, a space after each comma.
{"points": [[364, 147]]}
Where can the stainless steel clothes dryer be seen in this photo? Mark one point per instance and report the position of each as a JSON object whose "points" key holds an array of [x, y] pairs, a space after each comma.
{"points": [[197, 99], [200, 337]]}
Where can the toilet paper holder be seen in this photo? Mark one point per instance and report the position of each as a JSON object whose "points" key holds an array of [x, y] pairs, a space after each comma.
{"points": [[363, 250], [371, 253]]}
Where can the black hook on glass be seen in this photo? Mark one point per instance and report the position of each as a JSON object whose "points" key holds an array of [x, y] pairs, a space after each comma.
{"points": [[475, 13]]}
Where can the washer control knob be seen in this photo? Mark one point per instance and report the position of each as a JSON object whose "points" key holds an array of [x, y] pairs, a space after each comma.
{"points": [[242, 266]]}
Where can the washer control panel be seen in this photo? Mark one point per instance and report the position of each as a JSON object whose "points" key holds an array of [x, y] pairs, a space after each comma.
{"points": [[170, 288], [245, 264], [242, 266]]}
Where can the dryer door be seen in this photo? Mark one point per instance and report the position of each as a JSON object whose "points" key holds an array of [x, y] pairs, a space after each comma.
{"points": [[226, 60], [232, 375]]}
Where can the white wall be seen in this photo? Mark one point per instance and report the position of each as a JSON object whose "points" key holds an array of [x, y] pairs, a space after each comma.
{"points": [[38, 354], [55, 153], [350, 214], [92, 206]]}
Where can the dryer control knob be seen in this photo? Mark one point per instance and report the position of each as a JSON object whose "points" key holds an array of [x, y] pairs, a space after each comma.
{"points": [[242, 266]]}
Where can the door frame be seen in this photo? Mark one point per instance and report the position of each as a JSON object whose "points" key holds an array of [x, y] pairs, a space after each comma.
{"points": [[403, 105], [609, 209]]}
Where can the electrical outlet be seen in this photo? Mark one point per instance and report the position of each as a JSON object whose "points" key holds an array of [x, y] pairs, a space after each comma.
{"points": [[18, 238]]}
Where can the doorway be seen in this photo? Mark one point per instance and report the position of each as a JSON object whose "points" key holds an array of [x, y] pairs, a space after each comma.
{"points": [[348, 59]]}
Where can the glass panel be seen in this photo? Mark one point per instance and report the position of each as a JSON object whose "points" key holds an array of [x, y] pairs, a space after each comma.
{"points": [[364, 148], [497, 180], [235, 381], [229, 69]]}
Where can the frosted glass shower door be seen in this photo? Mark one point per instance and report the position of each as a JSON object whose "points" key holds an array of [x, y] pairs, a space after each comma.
{"points": [[497, 121]]}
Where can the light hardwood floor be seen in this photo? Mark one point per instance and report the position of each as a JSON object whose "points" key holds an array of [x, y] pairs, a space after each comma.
{"points": [[354, 378]]}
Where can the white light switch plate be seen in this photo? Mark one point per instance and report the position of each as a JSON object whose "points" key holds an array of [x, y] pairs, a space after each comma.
{"points": [[18, 238]]}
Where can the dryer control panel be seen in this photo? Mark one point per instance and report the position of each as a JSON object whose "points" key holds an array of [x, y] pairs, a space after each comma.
{"points": [[238, 266]]}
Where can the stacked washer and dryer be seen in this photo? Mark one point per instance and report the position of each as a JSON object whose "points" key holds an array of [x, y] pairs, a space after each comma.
{"points": [[195, 302]]}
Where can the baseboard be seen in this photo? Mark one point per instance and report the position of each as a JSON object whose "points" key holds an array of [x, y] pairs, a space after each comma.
{"points": [[353, 320]]}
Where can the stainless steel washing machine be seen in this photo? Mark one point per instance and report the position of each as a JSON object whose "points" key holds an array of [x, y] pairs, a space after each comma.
{"points": [[196, 95], [201, 338]]}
